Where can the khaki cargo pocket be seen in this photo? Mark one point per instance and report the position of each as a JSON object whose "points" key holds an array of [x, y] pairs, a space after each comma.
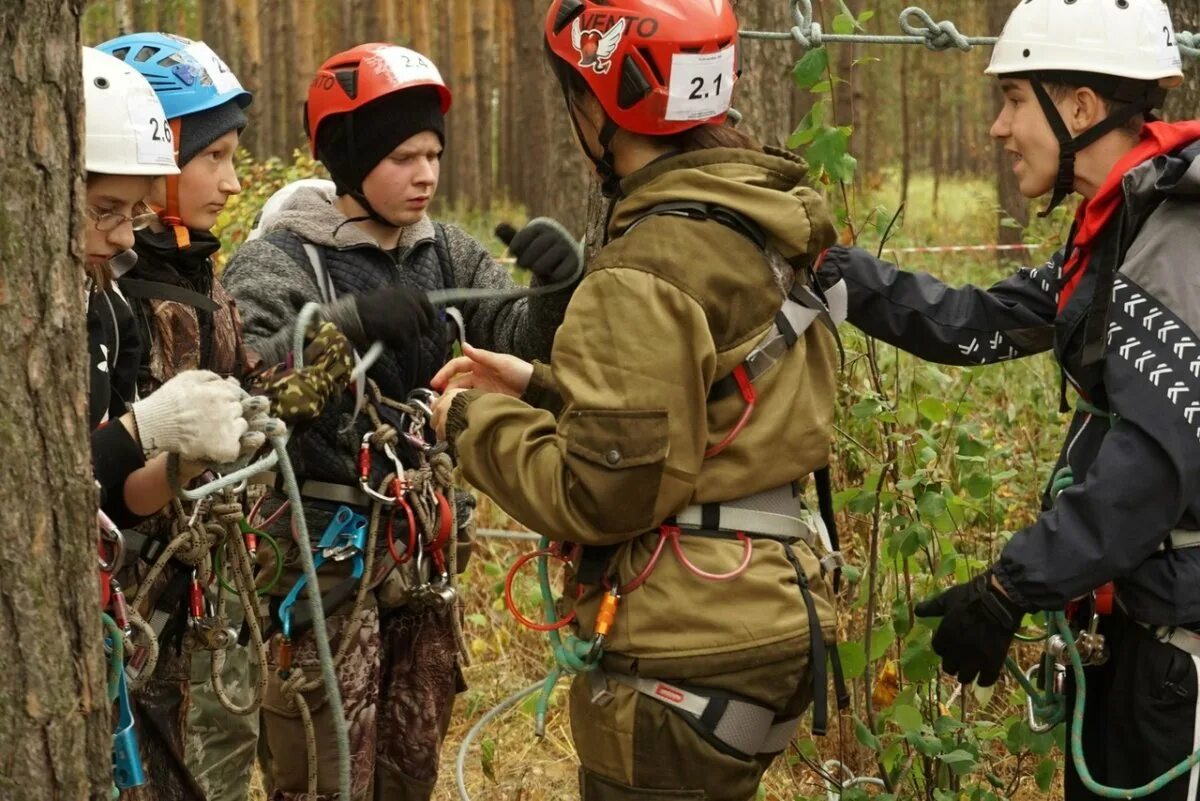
{"points": [[617, 458]]}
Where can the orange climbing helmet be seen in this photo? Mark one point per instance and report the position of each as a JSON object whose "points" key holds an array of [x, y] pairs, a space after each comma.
{"points": [[351, 79], [658, 67]]}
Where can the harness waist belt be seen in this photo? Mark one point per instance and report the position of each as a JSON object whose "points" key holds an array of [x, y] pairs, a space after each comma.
{"points": [[776, 513], [321, 490], [745, 727], [1180, 538]]}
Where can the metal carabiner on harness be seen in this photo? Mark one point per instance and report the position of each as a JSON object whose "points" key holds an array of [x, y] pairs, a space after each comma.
{"points": [[111, 534], [364, 469]]}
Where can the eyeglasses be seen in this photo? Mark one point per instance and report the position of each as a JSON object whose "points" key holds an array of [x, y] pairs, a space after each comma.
{"points": [[107, 222]]}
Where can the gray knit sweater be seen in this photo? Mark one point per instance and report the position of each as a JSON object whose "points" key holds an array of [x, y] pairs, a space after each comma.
{"points": [[271, 286], [271, 279]]}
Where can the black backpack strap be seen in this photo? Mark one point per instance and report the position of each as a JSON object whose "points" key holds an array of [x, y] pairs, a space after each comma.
{"points": [[696, 210], [157, 290]]}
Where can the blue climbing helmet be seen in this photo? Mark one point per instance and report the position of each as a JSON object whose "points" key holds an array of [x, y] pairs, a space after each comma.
{"points": [[187, 75], [201, 96]]}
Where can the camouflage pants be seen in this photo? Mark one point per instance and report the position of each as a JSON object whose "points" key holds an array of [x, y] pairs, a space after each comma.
{"points": [[398, 682], [220, 747], [193, 749]]}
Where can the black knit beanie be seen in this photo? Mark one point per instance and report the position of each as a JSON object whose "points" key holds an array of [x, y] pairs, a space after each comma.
{"points": [[198, 131], [351, 144]]}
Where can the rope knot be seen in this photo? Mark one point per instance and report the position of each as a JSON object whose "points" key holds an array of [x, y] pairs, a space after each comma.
{"points": [[1189, 43], [806, 32], [938, 35]]}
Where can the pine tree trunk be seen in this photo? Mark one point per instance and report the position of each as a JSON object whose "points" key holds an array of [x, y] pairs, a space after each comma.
{"points": [[465, 131], [1184, 102], [766, 94], [484, 36], [1012, 203], [55, 740]]}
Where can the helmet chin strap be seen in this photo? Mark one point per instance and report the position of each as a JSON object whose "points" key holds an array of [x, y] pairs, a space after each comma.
{"points": [[606, 162], [1069, 146], [361, 199], [170, 215]]}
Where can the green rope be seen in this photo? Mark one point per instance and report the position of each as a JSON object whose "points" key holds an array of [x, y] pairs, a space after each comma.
{"points": [[275, 549], [1059, 621], [570, 656], [919, 29], [116, 658]]}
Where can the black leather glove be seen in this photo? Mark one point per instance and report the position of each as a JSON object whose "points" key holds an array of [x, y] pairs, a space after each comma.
{"points": [[978, 623], [395, 315], [545, 248]]}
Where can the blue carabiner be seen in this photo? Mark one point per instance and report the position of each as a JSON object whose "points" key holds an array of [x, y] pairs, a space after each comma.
{"points": [[127, 760], [347, 530]]}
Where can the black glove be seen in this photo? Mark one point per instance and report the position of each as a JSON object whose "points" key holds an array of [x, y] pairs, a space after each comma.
{"points": [[978, 623], [395, 315], [545, 248]]}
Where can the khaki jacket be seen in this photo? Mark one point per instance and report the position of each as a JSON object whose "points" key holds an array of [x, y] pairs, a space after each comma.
{"points": [[666, 310]]}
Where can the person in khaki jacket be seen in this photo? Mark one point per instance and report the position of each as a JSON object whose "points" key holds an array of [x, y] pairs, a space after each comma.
{"points": [[689, 396]]}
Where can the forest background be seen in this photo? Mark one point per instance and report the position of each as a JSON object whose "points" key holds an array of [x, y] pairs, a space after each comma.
{"points": [[935, 467]]}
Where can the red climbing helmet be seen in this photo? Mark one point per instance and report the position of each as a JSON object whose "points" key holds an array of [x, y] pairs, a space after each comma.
{"points": [[353, 78], [658, 67]]}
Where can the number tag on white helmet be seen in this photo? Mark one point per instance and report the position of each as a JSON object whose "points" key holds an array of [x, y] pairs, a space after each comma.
{"points": [[1163, 31], [223, 79], [408, 66], [701, 85], [155, 144]]}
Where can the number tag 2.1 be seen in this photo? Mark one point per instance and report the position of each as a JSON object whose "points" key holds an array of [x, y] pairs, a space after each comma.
{"points": [[701, 85]]}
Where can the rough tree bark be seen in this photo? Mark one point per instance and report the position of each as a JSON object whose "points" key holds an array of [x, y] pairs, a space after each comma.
{"points": [[1184, 103], [55, 741]]}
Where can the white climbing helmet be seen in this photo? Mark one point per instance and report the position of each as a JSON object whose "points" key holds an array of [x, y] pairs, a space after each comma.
{"points": [[126, 130], [1131, 39]]}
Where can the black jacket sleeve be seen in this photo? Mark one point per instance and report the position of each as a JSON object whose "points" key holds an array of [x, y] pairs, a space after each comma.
{"points": [[922, 315], [115, 455], [1145, 473]]}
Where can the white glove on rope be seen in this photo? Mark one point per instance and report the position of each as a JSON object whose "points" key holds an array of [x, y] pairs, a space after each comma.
{"points": [[197, 415]]}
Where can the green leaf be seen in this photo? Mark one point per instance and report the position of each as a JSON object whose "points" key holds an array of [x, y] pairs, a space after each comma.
{"points": [[477, 619], [931, 504], [960, 761], [907, 718], [487, 757], [843, 24], [822, 88], [868, 407], [864, 504], [840, 499], [881, 639], [932, 409], [865, 735], [970, 446], [1044, 774], [979, 485], [865, 17], [919, 662], [929, 746], [900, 619], [1017, 739], [810, 68], [854, 659], [807, 747]]}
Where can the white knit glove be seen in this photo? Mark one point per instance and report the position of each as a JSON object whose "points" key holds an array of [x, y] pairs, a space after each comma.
{"points": [[197, 415]]}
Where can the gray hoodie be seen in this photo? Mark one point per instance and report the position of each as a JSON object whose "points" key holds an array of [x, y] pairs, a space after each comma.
{"points": [[272, 279]]}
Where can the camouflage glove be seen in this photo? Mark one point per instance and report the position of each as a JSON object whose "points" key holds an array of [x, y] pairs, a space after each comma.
{"points": [[300, 395]]}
